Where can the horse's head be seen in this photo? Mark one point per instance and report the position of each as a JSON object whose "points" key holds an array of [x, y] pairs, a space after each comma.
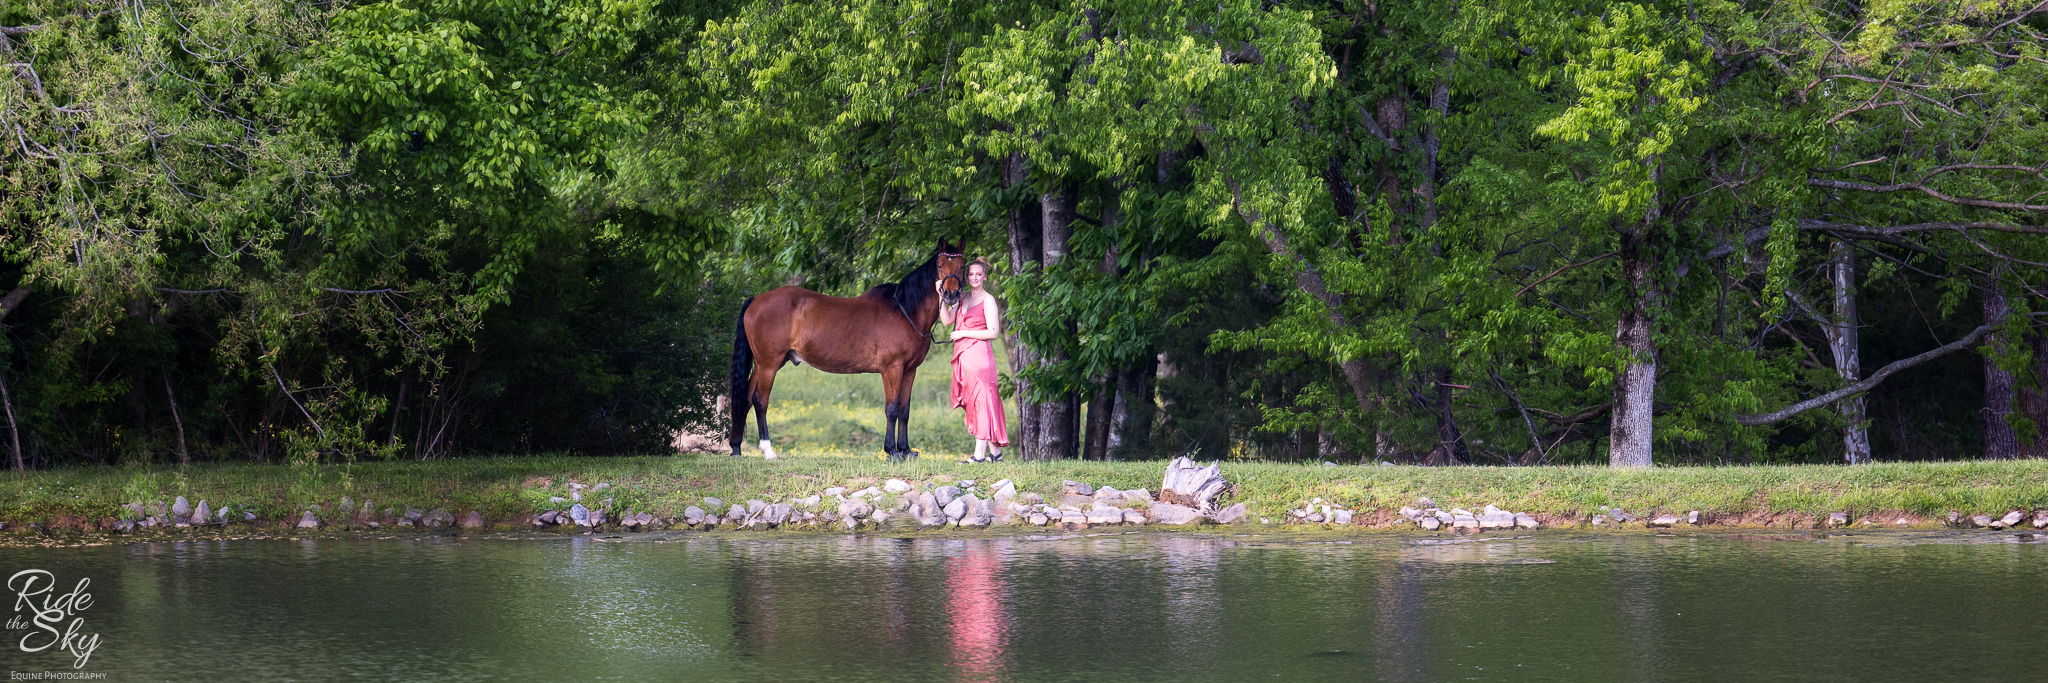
{"points": [[952, 273]]}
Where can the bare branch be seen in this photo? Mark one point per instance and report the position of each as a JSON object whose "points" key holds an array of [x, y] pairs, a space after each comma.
{"points": [[1923, 189], [1870, 382]]}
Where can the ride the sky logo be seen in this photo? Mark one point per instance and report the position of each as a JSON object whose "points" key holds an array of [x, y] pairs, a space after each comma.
{"points": [[51, 618]]}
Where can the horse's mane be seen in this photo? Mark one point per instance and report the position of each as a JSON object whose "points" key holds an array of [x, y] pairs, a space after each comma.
{"points": [[907, 294]]}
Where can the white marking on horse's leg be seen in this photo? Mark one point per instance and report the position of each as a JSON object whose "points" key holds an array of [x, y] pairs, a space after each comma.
{"points": [[767, 451]]}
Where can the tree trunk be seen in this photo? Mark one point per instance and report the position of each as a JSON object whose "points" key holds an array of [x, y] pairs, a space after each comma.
{"points": [[1450, 448], [1131, 419], [2000, 443], [184, 457], [1026, 254], [13, 428], [7, 305], [2033, 399], [1099, 408], [1635, 387], [1844, 343], [404, 382], [1059, 420]]}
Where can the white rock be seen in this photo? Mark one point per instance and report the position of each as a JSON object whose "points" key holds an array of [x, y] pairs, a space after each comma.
{"points": [[1835, 519], [956, 509], [1134, 517], [1104, 514], [1039, 519], [836, 491], [200, 514], [896, 486], [1693, 518], [2041, 520], [1169, 513], [1343, 517], [1524, 521], [1409, 513], [1663, 521], [309, 521], [1138, 496], [1431, 524], [2013, 518]]}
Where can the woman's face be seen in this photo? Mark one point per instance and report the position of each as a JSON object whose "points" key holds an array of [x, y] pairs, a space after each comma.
{"points": [[976, 275]]}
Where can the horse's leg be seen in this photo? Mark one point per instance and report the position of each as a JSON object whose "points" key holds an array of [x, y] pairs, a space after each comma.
{"points": [[895, 440], [764, 383], [902, 401]]}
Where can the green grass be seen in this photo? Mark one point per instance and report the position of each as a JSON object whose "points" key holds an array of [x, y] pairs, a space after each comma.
{"points": [[822, 413], [505, 488]]}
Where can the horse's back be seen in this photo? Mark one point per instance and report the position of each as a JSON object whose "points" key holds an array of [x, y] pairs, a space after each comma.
{"points": [[835, 334]]}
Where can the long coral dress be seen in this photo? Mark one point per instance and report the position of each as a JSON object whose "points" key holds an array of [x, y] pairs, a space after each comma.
{"points": [[974, 381]]}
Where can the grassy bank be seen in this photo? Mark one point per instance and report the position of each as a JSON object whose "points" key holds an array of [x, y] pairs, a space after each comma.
{"points": [[507, 489]]}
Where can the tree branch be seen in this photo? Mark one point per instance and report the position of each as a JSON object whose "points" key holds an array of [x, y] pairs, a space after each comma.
{"points": [[1923, 189], [1870, 382], [1540, 280]]}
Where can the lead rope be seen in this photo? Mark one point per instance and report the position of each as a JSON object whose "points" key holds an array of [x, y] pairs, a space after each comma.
{"points": [[942, 304]]}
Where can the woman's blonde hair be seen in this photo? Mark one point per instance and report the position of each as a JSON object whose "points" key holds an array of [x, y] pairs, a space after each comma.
{"points": [[987, 268]]}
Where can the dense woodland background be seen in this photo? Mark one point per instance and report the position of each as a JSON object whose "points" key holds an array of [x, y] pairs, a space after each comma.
{"points": [[1530, 231]]}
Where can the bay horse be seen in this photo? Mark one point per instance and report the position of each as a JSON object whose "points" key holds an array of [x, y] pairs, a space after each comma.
{"points": [[886, 330]]}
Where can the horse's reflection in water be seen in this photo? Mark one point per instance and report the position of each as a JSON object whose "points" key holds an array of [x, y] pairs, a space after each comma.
{"points": [[885, 330]]}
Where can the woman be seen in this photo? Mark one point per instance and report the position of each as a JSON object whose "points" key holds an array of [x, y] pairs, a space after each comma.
{"points": [[974, 366]]}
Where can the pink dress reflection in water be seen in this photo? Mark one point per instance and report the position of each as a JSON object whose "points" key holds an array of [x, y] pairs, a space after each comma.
{"points": [[974, 608]]}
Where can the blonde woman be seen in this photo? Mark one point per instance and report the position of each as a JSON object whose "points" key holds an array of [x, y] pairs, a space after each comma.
{"points": [[976, 326]]}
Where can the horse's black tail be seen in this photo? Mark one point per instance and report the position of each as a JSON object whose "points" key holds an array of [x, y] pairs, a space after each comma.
{"points": [[742, 377]]}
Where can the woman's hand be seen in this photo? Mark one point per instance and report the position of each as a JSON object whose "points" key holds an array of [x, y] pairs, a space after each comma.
{"points": [[959, 335]]}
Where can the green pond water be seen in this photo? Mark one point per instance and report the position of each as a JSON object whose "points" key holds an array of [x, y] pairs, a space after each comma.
{"points": [[1150, 606]]}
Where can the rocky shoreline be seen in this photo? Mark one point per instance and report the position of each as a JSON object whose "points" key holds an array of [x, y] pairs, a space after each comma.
{"points": [[1188, 495]]}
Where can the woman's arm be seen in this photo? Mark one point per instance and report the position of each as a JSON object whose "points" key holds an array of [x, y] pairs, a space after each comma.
{"points": [[945, 312]]}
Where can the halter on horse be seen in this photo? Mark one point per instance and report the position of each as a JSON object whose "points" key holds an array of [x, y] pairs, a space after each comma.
{"points": [[885, 330]]}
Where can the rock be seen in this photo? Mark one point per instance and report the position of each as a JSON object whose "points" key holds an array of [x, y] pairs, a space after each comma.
{"points": [[181, 513], [1409, 513], [929, 502], [1464, 522], [1623, 517], [545, 518], [1599, 520], [202, 513], [1108, 494], [1431, 524], [439, 518], [2041, 520], [1327, 463], [248, 516], [1980, 520], [955, 509], [1313, 517], [811, 502], [575, 495], [1693, 518], [1030, 497], [736, 515], [1663, 521], [880, 517], [850, 523], [473, 520], [121, 526], [945, 494], [1524, 521], [713, 503], [1003, 489], [1496, 518], [1190, 486], [1073, 520], [1075, 488], [782, 513], [976, 521], [1837, 519], [580, 515], [1105, 514], [836, 491], [1173, 513], [1039, 519], [2013, 518], [309, 521], [855, 509], [1342, 517], [755, 506], [557, 500], [896, 486], [1134, 517], [600, 487], [1425, 502], [1903, 521], [413, 513], [1138, 496], [693, 515], [1461, 512]]}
